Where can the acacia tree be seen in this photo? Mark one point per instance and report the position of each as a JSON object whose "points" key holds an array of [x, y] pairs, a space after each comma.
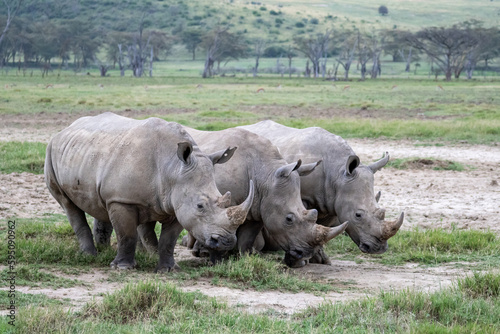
{"points": [[192, 38], [259, 45], [315, 48], [350, 41], [220, 45], [446, 47]]}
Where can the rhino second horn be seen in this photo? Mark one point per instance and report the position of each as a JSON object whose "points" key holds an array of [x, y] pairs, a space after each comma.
{"points": [[392, 227], [237, 214], [224, 201]]}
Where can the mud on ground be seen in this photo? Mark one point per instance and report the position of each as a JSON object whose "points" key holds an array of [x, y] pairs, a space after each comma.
{"points": [[430, 198]]}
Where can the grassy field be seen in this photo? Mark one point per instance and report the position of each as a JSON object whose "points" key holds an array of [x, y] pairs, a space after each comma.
{"points": [[151, 302], [396, 108]]}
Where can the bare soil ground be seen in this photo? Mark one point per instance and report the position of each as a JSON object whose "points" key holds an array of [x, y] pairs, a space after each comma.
{"points": [[430, 199]]}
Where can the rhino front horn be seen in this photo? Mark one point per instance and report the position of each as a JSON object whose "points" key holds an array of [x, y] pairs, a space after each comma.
{"points": [[237, 214], [392, 227], [330, 232]]}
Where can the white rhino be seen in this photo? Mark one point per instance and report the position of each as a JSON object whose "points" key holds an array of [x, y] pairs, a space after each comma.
{"points": [[277, 207], [126, 172], [341, 189]]}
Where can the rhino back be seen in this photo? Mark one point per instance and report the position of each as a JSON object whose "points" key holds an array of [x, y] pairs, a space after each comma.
{"points": [[109, 158], [310, 144]]}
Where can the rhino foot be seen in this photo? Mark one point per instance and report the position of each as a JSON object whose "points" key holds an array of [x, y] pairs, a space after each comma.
{"points": [[91, 250], [168, 268], [123, 265], [320, 257]]}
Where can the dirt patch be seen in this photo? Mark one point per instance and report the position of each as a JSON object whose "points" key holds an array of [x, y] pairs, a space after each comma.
{"points": [[430, 199]]}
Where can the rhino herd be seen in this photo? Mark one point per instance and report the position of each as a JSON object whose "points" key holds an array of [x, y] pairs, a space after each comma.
{"points": [[284, 189]]}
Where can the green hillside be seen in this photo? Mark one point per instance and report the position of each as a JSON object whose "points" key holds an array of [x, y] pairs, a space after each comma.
{"points": [[277, 20]]}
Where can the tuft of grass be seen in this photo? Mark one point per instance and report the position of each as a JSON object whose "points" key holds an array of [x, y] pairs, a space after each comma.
{"points": [[480, 285], [26, 299], [33, 277], [253, 271], [426, 163], [22, 157], [149, 300]]}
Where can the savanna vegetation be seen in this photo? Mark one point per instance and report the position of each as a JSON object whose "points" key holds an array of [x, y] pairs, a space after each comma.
{"points": [[53, 61]]}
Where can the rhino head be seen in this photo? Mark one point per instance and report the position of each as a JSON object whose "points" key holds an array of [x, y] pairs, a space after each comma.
{"points": [[355, 202], [199, 206], [287, 222]]}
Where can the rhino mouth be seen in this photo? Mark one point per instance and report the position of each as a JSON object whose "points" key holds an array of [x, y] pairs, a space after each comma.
{"points": [[373, 248], [221, 243], [296, 258]]}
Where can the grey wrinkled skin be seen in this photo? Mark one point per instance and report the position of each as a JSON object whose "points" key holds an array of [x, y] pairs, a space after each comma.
{"points": [[277, 206], [126, 173], [341, 188]]}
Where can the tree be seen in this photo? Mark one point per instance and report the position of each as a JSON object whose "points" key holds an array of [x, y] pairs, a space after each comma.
{"points": [[220, 45], [259, 45], [446, 47], [191, 38], [12, 8], [383, 10], [315, 48], [347, 52]]}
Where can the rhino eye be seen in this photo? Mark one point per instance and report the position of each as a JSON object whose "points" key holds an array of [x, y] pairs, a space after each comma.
{"points": [[358, 215], [200, 206], [289, 219]]}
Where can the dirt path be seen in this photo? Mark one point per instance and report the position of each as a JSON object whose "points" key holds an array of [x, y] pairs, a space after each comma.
{"points": [[430, 199]]}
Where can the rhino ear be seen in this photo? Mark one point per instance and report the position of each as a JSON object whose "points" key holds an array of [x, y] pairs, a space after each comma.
{"points": [[308, 168], [184, 151], [285, 171], [222, 156], [351, 164]]}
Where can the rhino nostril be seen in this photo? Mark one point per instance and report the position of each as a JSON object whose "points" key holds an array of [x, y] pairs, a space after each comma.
{"points": [[296, 253], [365, 248], [213, 241]]}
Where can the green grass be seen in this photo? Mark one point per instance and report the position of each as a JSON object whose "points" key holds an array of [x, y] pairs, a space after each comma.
{"points": [[427, 247], [426, 163], [34, 277], [260, 273], [22, 157], [160, 307]]}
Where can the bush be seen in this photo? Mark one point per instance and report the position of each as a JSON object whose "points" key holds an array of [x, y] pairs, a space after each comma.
{"points": [[274, 51], [300, 25], [382, 10]]}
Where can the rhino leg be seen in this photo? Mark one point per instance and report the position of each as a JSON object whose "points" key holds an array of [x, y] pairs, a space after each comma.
{"points": [[76, 218], [124, 220], [102, 232], [247, 234], [320, 257], [148, 238], [170, 231]]}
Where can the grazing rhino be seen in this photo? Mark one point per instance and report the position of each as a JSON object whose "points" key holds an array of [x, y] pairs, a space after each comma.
{"points": [[341, 190], [126, 172], [277, 207]]}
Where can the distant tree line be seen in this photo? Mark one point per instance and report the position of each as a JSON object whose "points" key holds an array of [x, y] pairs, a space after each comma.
{"points": [[78, 44]]}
